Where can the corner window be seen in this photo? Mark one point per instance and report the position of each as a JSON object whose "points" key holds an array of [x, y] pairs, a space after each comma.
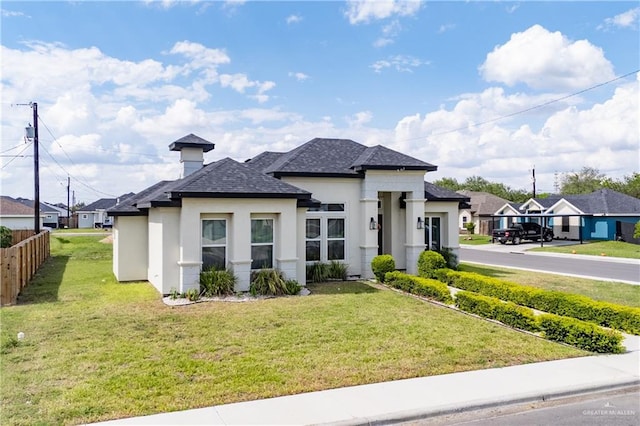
{"points": [[214, 243], [261, 243]]}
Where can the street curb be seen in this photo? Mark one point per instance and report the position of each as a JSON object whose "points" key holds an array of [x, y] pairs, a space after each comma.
{"points": [[418, 414]]}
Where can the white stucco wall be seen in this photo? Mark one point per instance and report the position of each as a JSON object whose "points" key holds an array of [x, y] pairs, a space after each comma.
{"points": [[239, 213], [130, 248], [164, 232], [447, 211]]}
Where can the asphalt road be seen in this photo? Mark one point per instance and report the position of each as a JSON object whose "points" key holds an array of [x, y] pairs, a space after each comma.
{"points": [[612, 408], [598, 268]]}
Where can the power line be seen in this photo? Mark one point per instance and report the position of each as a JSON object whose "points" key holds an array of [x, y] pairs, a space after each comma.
{"points": [[16, 156], [544, 104]]}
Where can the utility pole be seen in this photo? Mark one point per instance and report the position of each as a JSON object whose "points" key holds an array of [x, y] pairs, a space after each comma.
{"points": [[68, 199], [36, 169], [533, 178], [32, 133]]}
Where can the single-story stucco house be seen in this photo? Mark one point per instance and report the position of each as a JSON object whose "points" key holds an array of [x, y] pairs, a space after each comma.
{"points": [[95, 215], [328, 199], [600, 215]]}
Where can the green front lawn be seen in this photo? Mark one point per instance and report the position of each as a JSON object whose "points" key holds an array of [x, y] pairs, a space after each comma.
{"points": [[620, 293], [597, 248], [95, 349], [474, 239]]}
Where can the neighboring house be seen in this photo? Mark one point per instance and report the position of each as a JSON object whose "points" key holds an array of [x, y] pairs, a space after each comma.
{"points": [[16, 215], [53, 216], [326, 200], [601, 215], [95, 214], [483, 206]]}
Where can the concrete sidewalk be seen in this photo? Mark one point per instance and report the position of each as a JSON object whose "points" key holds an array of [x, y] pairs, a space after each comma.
{"points": [[424, 397]]}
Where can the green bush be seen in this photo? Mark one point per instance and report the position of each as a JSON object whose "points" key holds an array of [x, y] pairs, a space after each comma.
{"points": [[382, 264], [338, 270], [470, 227], [318, 272], [428, 262], [581, 334], [217, 282], [424, 287], [6, 237], [292, 287], [192, 294], [450, 257], [506, 312], [606, 314], [268, 282]]}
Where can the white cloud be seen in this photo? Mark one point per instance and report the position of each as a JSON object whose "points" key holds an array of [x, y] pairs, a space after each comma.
{"points": [[300, 76], [568, 137], [628, 19], [445, 27], [401, 63], [12, 14], [546, 60], [359, 119], [389, 33], [294, 19], [365, 11]]}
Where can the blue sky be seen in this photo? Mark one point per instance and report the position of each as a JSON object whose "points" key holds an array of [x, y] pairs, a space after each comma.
{"points": [[446, 82]]}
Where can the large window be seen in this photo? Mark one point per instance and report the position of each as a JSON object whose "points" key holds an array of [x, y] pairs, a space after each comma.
{"points": [[325, 239], [214, 243], [261, 243]]}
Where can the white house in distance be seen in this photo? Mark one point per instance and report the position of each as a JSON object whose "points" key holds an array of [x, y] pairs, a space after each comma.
{"points": [[328, 199]]}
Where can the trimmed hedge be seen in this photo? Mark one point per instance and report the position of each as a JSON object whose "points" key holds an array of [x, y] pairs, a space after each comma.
{"points": [[506, 312], [624, 318], [424, 287], [382, 264], [581, 334], [430, 261]]}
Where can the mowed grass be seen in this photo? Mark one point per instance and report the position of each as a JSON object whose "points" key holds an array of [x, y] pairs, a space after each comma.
{"points": [[95, 349], [621, 293], [474, 239], [597, 248]]}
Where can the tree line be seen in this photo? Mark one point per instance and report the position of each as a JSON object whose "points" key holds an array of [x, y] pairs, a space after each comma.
{"points": [[587, 180]]}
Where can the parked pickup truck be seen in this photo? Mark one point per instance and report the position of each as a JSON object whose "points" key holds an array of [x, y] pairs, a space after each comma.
{"points": [[521, 231]]}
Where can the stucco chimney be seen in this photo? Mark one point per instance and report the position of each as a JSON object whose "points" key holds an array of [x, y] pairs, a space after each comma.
{"points": [[192, 149]]}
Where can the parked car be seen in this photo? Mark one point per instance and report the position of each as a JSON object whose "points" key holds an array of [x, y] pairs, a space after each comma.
{"points": [[522, 231]]}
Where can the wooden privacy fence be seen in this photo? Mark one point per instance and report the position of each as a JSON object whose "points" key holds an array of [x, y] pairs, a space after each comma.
{"points": [[20, 262]]}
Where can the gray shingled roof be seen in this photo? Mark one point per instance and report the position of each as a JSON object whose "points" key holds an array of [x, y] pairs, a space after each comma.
{"points": [[262, 161], [191, 141], [484, 203], [228, 177], [605, 201], [104, 203], [437, 193], [340, 158], [10, 206]]}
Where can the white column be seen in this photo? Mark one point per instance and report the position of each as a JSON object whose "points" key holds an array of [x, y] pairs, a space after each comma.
{"points": [[414, 236]]}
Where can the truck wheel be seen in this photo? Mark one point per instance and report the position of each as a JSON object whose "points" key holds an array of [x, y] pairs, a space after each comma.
{"points": [[516, 241], [548, 238], [503, 242]]}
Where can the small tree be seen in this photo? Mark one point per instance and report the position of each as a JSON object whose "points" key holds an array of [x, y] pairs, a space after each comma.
{"points": [[470, 227], [636, 230], [382, 264], [430, 261]]}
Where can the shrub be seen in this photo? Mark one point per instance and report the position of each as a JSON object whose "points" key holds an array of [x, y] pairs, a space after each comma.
{"points": [[470, 227], [217, 282], [292, 287], [449, 257], [338, 270], [6, 237], [268, 282], [581, 334], [382, 264], [428, 262], [606, 314], [636, 230], [424, 287], [318, 272], [192, 294], [506, 312]]}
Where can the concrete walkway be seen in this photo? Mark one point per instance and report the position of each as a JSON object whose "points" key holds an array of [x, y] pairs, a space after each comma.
{"points": [[424, 397]]}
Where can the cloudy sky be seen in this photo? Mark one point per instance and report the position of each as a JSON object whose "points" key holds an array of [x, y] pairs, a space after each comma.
{"points": [[489, 89]]}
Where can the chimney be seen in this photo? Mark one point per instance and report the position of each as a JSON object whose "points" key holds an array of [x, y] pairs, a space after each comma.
{"points": [[192, 149]]}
